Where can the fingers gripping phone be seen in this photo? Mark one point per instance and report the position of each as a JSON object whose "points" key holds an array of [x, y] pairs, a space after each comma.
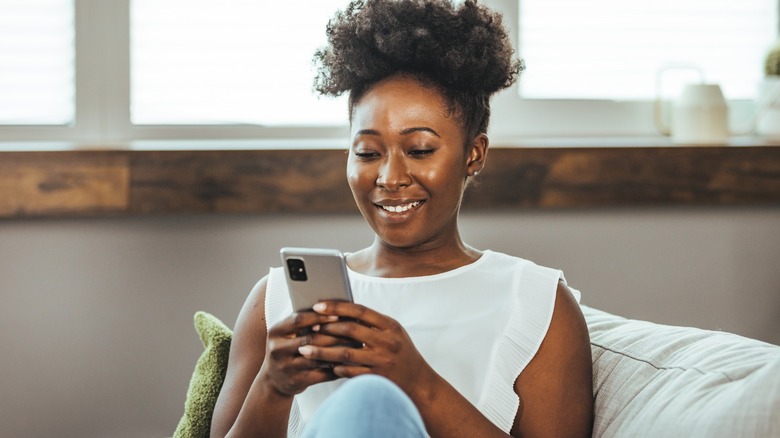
{"points": [[315, 275]]}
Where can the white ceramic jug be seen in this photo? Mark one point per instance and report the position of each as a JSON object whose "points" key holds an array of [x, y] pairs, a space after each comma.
{"points": [[700, 116]]}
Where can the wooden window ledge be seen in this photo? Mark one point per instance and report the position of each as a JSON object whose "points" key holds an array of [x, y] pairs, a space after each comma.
{"points": [[73, 183]]}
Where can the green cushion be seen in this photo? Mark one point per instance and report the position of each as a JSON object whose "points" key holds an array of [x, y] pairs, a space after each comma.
{"points": [[207, 378]]}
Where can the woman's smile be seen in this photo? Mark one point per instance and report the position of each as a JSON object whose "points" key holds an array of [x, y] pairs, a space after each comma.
{"points": [[398, 211]]}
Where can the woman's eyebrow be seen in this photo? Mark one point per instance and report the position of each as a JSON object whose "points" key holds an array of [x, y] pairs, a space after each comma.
{"points": [[367, 132], [408, 131]]}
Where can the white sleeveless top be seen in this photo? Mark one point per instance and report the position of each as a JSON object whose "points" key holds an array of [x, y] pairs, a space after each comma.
{"points": [[478, 326]]}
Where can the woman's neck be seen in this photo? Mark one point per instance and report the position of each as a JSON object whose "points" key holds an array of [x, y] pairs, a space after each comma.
{"points": [[382, 260]]}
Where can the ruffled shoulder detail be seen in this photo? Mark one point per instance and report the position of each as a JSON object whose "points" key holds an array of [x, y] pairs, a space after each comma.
{"points": [[535, 288], [277, 299]]}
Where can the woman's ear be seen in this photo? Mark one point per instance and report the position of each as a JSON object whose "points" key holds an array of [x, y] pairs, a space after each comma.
{"points": [[477, 154]]}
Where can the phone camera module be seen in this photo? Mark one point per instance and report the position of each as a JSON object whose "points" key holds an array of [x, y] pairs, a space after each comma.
{"points": [[297, 270]]}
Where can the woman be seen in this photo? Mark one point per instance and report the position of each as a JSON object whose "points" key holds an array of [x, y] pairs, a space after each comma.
{"points": [[460, 342]]}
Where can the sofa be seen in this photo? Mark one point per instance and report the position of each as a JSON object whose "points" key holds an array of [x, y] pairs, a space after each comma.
{"points": [[648, 380], [663, 381]]}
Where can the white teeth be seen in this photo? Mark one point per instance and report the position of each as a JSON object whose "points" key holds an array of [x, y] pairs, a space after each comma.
{"points": [[401, 208]]}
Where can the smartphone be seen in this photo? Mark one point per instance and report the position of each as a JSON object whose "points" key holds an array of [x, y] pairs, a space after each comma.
{"points": [[314, 275]]}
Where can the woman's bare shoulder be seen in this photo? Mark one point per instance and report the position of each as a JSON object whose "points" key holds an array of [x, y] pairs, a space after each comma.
{"points": [[250, 331]]}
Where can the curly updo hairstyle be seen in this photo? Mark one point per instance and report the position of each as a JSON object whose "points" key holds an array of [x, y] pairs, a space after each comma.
{"points": [[463, 51]]}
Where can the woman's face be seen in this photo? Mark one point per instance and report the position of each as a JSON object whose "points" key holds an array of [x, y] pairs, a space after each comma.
{"points": [[407, 164]]}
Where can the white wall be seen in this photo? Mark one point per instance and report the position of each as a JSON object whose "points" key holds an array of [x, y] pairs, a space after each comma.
{"points": [[96, 314]]}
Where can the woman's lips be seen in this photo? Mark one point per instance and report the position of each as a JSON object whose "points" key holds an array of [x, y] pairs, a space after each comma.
{"points": [[400, 208], [398, 212]]}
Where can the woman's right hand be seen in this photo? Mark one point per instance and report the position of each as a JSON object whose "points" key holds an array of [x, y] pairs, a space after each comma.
{"points": [[284, 368], [265, 369]]}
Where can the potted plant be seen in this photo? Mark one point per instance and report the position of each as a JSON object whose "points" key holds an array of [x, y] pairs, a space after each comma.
{"points": [[768, 123]]}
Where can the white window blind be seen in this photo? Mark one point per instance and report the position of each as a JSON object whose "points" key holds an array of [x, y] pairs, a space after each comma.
{"points": [[612, 49], [229, 62], [200, 68], [37, 62]]}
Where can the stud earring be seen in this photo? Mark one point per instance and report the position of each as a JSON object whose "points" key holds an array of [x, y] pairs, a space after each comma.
{"points": [[476, 172]]}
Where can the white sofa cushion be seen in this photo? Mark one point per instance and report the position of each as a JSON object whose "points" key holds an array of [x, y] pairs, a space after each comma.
{"points": [[657, 380]]}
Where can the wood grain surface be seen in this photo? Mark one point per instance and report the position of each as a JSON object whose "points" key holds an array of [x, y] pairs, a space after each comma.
{"points": [[615, 177], [63, 183], [110, 183], [240, 182]]}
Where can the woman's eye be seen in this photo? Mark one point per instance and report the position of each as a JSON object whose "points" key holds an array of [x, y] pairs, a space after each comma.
{"points": [[420, 153], [366, 155]]}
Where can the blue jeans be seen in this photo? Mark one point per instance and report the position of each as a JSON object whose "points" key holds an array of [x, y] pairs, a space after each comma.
{"points": [[366, 406]]}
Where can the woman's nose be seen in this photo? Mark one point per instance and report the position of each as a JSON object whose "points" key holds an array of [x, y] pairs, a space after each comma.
{"points": [[394, 174]]}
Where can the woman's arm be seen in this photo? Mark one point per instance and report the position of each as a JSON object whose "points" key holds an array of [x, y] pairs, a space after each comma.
{"points": [[556, 388], [247, 351], [265, 370]]}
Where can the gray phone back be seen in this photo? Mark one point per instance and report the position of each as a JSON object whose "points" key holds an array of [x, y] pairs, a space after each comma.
{"points": [[315, 275]]}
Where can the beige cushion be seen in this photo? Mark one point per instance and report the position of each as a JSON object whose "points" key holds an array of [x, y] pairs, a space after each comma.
{"points": [[657, 380]]}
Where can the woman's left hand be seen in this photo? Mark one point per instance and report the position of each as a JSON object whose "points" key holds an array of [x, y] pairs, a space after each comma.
{"points": [[387, 349]]}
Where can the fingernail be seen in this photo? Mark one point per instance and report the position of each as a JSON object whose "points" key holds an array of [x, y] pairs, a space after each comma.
{"points": [[305, 350], [319, 307], [315, 328]]}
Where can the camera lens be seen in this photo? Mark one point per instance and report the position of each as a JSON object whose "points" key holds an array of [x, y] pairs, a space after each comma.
{"points": [[296, 269]]}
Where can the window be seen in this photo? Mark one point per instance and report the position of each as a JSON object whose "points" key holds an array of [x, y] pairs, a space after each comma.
{"points": [[37, 62], [230, 62], [109, 73], [591, 66], [614, 49]]}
